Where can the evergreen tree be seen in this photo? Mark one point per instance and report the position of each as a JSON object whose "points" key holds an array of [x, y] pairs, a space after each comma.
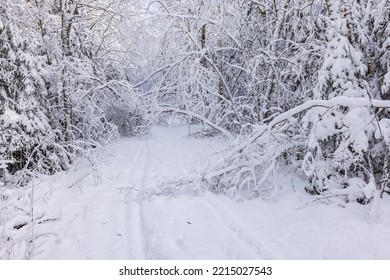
{"points": [[27, 139], [338, 144]]}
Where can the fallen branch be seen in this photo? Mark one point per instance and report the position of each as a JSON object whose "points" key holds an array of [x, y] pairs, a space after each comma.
{"points": [[226, 133]]}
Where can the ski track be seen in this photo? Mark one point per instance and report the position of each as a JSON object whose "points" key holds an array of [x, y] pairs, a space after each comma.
{"points": [[156, 160], [256, 248], [160, 159], [134, 205]]}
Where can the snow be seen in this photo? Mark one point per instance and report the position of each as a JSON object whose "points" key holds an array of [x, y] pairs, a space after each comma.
{"points": [[119, 210], [384, 130]]}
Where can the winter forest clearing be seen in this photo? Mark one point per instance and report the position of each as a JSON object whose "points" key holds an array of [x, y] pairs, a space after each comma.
{"points": [[204, 129]]}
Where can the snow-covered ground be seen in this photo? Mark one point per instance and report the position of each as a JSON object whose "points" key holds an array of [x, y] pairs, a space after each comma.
{"points": [[118, 212]]}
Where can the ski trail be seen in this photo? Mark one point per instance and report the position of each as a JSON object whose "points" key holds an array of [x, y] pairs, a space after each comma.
{"points": [[132, 224], [134, 202], [136, 240], [170, 158], [241, 234]]}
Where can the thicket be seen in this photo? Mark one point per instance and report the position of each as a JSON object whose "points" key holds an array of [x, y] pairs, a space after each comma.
{"points": [[261, 71]]}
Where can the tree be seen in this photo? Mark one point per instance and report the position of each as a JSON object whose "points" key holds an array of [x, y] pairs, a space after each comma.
{"points": [[27, 138]]}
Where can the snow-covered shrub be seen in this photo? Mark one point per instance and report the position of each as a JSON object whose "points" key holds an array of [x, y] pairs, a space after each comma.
{"points": [[339, 137], [16, 240]]}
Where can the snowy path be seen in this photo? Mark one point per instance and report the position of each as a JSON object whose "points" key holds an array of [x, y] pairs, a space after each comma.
{"points": [[113, 214]]}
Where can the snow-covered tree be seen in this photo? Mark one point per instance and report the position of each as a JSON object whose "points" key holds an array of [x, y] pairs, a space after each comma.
{"points": [[27, 140], [340, 138]]}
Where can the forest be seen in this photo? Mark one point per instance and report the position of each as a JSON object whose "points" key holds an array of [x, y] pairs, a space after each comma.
{"points": [[297, 85]]}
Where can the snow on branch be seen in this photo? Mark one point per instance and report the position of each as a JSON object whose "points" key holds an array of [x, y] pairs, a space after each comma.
{"points": [[199, 117], [336, 101], [248, 168]]}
